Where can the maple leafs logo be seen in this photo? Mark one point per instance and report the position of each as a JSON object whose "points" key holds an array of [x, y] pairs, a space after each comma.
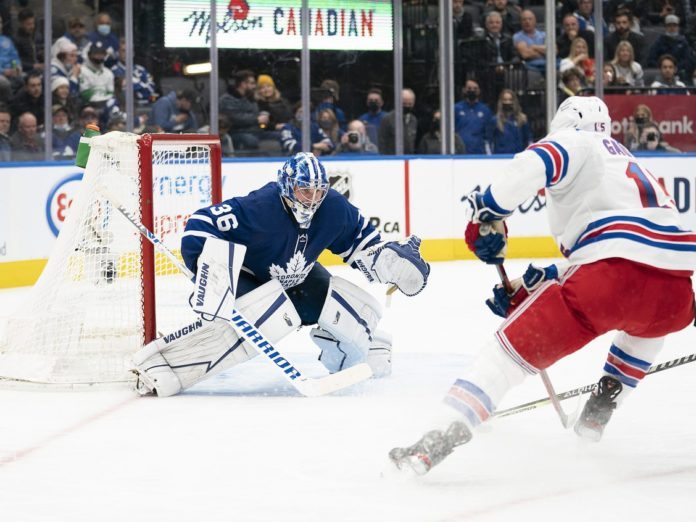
{"points": [[294, 272]]}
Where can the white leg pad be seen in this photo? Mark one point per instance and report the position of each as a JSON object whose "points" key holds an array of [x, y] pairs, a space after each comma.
{"points": [[202, 349], [335, 358], [350, 316]]}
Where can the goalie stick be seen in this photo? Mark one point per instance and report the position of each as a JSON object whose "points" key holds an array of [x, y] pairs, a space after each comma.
{"points": [[566, 420], [307, 386], [667, 365]]}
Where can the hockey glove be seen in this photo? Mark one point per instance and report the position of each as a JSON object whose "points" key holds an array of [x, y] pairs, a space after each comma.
{"points": [[481, 207], [488, 241], [395, 262], [503, 304]]}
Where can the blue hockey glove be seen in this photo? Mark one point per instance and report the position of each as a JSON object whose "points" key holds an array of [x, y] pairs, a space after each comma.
{"points": [[503, 304], [487, 241]]}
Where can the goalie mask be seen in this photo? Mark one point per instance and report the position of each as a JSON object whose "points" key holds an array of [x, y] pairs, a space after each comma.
{"points": [[583, 113], [303, 185]]}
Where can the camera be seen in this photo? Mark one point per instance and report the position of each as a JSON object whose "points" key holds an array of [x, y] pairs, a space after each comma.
{"points": [[353, 137], [651, 136]]}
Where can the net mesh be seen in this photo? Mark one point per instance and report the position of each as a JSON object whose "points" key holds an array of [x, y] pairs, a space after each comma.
{"points": [[84, 316]]}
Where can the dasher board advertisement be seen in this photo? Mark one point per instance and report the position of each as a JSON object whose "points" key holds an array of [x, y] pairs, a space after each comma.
{"points": [[358, 25]]}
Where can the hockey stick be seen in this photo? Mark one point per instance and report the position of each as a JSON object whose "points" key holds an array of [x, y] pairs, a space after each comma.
{"points": [[307, 386], [566, 421], [667, 365]]}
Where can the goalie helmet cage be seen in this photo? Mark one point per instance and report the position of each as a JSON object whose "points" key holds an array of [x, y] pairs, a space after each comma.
{"points": [[104, 291]]}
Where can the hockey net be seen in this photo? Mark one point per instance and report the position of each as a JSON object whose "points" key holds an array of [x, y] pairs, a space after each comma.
{"points": [[104, 292]]}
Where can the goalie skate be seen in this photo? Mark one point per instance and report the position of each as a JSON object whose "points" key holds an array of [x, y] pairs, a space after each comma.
{"points": [[431, 449]]}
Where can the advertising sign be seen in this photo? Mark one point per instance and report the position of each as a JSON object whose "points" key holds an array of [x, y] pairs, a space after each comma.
{"points": [[674, 115], [359, 25]]}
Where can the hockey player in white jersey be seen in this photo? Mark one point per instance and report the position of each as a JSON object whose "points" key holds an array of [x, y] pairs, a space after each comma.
{"points": [[628, 269]]}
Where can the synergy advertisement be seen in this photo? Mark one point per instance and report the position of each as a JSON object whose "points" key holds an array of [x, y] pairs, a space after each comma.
{"points": [[359, 25]]}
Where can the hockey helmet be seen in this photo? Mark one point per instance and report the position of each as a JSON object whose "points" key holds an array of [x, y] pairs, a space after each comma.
{"points": [[582, 112], [303, 185]]}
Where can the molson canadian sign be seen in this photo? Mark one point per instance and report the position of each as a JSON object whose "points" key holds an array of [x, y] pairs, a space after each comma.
{"points": [[275, 24]]}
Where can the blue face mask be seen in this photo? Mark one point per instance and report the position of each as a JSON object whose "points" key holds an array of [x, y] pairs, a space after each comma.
{"points": [[104, 29]]}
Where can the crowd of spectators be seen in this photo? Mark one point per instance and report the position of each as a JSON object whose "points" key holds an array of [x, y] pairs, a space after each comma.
{"points": [[649, 47]]}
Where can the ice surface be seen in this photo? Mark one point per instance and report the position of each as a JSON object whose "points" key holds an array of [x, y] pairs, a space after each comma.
{"points": [[246, 447]]}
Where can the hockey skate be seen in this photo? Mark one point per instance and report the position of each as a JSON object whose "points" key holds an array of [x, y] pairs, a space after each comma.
{"points": [[598, 409], [431, 449]]}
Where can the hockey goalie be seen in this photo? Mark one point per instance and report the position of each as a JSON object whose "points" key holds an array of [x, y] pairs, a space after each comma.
{"points": [[258, 254]]}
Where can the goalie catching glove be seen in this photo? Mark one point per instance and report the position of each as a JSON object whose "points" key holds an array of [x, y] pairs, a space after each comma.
{"points": [[486, 232], [395, 262], [503, 304]]}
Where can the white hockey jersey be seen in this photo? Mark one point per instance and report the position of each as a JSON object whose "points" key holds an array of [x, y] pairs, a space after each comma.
{"points": [[601, 201]]}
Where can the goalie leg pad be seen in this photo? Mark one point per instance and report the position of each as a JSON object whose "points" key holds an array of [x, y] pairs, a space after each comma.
{"points": [[335, 358], [204, 349], [350, 315]]}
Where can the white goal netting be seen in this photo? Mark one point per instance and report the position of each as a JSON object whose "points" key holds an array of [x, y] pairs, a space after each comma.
{"points": [[86, 313]]}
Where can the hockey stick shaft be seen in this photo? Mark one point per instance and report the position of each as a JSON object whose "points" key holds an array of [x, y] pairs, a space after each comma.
{"points": [[667, 365], [562, 415], [306, 386]]}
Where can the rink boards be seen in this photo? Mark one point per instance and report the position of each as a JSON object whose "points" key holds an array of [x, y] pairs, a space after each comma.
{"points": [[401, 196]]}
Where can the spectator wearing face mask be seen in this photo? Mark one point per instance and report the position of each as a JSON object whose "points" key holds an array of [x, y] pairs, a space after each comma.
{"points": [[508, 131], [470, 119], [387, 129], [104, 33], [373, 117], [356, 141], [330, 99], [291, 136], [642, 117], [672, 43], [651, 140], [65, 138], [96, 80], [431, 142]]}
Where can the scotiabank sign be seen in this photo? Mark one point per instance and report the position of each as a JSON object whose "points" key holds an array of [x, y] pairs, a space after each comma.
{"points": [[675, 116]]}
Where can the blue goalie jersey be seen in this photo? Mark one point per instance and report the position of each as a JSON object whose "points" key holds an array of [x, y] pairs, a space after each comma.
{"points": [[277, 248]]}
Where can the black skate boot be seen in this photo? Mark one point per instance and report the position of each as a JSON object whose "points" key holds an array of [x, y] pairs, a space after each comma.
{"points": [[598, 409], [431, 449]]}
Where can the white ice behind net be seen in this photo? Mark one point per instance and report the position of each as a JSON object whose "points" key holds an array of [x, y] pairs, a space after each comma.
{"points": [[84, 316]]}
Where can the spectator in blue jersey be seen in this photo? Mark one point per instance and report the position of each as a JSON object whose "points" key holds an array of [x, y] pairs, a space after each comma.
{"points": [[173, 112], [471, 116], [291, 136], [104, 33], [508, 131], [531, 43], [64, 64], [144, 88], [330, 96], [5, 122], [373, 117], [10, 67], [76, 34], [284, 226], [65, 138]]}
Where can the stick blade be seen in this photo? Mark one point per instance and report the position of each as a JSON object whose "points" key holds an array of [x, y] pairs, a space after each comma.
{"points": [[334, 382]]}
